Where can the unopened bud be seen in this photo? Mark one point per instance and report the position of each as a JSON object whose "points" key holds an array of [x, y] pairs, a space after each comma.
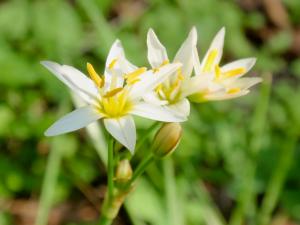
{"points": [[124, 171], [166, 139]]}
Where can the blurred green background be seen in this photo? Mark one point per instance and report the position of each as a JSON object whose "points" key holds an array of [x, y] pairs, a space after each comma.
{"points": [[232, 153]]}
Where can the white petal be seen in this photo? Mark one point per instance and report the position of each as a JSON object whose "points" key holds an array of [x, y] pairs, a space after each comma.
{"points": [[150, 80], [224, 96], [75, 120], [157, 53], [154, 99], [217, 44], [185, 53], [246, 64], [245, 83], [181, 108], [123, 130], [196, 84], [74, 79], [115, 75], [155, 112], [196, 62]]}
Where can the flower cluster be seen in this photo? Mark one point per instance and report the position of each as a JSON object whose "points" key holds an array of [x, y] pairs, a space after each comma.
{"points": [[162, 93]]}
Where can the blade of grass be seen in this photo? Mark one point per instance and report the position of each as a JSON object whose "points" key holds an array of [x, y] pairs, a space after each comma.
{"points": [[256, 131], [49, 183]]}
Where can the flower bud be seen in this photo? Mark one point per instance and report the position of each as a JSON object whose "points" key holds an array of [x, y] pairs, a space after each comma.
{"points": [[124, 171], [166, 139]]}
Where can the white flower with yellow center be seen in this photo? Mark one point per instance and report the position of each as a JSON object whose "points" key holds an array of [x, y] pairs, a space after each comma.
{"points": [[224, 82], [172, 93], [113, 97]]}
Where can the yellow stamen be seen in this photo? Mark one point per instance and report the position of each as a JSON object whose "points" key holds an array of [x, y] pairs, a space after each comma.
{"points": [[94, 75], [217, 71], [112, 63], [113, 92], [133, 77], [180, 74], [158, 88], [233, 90], [165, 62], [210, 60], [234, 72]]}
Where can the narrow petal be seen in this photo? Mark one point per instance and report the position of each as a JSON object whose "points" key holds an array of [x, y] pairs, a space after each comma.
{"points": [[196, 62], [214, 53], [196, 84], [181, 108], [155, 112], [185, 53], [157, 53], [74, 79], [114, 66], [245, 83], [123, 130], [150, 80], [152, 98], [242, 64], [225, 96], [75, 120]]}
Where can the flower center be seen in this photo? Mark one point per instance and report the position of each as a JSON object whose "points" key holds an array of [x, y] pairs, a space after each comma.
{"points": [[170, 89], [115, 103]]}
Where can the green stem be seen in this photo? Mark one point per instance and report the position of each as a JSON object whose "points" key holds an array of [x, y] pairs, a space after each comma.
{"points": [[247, 193], [175, 216], [277, 181], [144, 138], [142, 167], [110, 167], [48, 188]]}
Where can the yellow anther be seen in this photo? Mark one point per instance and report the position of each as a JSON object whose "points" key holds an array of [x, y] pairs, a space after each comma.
{"points": [[233, 90], [155, 70], [165, 62], [180, 74], [112, 63], [210, 60], [217, 71], [94, 75], [133, 77], [113, 92], [159, 88], [135, 73], [234, 72]]}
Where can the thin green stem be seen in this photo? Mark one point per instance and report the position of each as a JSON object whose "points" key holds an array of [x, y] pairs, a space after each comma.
{"points": [[142, 167], [175, 217], [144, 138], [104, 221], [257, 128], [110, 167], [48, 188], [277, 181]]}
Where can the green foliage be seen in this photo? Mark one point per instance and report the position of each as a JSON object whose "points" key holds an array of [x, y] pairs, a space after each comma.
{"points": [[221, 141]]}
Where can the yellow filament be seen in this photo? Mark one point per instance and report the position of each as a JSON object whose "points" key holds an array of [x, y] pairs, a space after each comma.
{"points": [[217, 71], [234, 72], [165, 62], [113, 92], [210, 60], [233, 90], [159, 88], [116, 104], [112, 63], [94, 75], [133, 77]]}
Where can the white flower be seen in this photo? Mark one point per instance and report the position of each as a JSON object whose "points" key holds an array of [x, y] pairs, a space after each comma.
{"points": [[224, 82], [172, 93], [113, 97]]}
